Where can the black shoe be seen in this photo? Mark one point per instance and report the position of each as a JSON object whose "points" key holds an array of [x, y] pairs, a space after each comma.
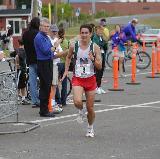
{"points": [[64, 105], [50, 114], [25, 102]]}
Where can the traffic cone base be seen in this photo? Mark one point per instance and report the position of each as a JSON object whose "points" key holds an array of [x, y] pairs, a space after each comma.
{"points": [[96, 100], [153, 76], [114, 89], [133, 83]]}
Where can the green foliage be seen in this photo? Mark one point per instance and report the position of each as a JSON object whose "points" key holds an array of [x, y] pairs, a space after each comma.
{"points": [[45, 11], [68, 10], [85, 18]]}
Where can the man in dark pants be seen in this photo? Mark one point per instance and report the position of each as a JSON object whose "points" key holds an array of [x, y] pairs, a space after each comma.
{"points": [[45, 54], [31, 59]]}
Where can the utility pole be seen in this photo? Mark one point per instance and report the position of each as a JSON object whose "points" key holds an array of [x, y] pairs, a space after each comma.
{"points": [[93, 7], [34, 8], [55, 11]]}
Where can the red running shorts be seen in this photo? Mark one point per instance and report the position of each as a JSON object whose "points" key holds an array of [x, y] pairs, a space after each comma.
{"points": [[89, 84]]}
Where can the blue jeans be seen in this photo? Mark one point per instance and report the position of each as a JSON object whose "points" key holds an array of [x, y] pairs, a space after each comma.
{"points": [[61, 69], [33, 84]]}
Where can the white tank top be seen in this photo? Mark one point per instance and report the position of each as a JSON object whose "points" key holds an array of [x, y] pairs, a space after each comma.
{"points": [[84, 66]]}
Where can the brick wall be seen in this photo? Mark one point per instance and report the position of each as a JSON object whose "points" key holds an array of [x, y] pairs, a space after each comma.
{"points": [[50, 1], [121, 8]]}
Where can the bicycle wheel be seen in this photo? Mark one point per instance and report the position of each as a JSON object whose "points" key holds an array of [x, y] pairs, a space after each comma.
{"points": [[109, 59], [143, 60], [69, 86]]}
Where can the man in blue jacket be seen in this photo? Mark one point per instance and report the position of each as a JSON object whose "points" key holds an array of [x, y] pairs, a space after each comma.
{"points": [[130, 31], [45, 53]]}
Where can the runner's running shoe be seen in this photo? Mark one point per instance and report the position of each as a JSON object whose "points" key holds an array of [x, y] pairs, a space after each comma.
{"points": [[102, 91], [90, 132]]}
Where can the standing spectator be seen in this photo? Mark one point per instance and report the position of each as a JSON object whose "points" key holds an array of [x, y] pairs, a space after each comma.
{"points": [[10, 43], [98, 39], [28, 39], [61, 66], [103, 23], [45, 53], [118, 39], [105, 34], [56, 43], [5, 36], [21, 72]]}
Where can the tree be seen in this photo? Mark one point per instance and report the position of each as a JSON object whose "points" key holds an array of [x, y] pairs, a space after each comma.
{"points": [[66, 7]]}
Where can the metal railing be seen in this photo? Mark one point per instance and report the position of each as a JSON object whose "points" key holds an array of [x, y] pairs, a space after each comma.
{"points": [[9, 105]]}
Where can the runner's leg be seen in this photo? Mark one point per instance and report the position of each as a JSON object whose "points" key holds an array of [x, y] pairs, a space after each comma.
{"points": [[77, 96], [90, 96]]}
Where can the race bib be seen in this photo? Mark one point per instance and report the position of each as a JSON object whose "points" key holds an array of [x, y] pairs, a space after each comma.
{"points": [[83, 69]]}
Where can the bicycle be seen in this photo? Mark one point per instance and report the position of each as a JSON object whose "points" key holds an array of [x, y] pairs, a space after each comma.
{"points": [[143, 59]]}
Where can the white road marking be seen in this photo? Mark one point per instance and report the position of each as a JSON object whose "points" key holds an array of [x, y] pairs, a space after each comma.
{"points": [[67, 121], [57, 123], [98, 111], [115, 105]]}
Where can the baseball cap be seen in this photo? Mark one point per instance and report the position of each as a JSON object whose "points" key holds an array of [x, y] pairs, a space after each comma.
{"points": [[54, 28], [134, 20]]}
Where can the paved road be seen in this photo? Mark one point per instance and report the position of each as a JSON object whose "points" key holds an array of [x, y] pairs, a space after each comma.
{"points": [[127, 127], [126, 19]]}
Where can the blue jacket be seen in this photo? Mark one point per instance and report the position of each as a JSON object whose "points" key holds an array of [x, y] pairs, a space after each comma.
{"points": [[118, 40], [130, 32], [43, 47]]}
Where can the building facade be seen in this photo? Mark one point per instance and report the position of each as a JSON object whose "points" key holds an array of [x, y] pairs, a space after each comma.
{"points": [[17, 13]]}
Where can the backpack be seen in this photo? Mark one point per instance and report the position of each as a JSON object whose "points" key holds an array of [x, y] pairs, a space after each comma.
{"points": [[74, 58]]}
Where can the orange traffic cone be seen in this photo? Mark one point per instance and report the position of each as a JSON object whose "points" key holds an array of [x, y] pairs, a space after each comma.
{"points": [[133, 68], [158, 56], [50, 107], [115, 72], [153, 61]]}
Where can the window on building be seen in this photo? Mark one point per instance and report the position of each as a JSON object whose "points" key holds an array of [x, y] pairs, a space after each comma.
{"points": [[21, 3], [16, 25]]}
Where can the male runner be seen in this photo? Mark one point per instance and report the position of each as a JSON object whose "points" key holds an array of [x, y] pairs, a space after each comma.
{"points": [[84, 80]]}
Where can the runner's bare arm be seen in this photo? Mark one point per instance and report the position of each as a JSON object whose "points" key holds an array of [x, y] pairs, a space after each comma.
{"points": [[68, 61], [68, 57]]}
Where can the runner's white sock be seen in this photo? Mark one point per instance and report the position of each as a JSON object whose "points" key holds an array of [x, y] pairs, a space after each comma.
{"points": [[23, 97], [90, 126]]}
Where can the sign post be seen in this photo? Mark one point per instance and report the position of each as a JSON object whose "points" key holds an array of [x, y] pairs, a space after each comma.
{"points": [[62, 13], [77, 13]]}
